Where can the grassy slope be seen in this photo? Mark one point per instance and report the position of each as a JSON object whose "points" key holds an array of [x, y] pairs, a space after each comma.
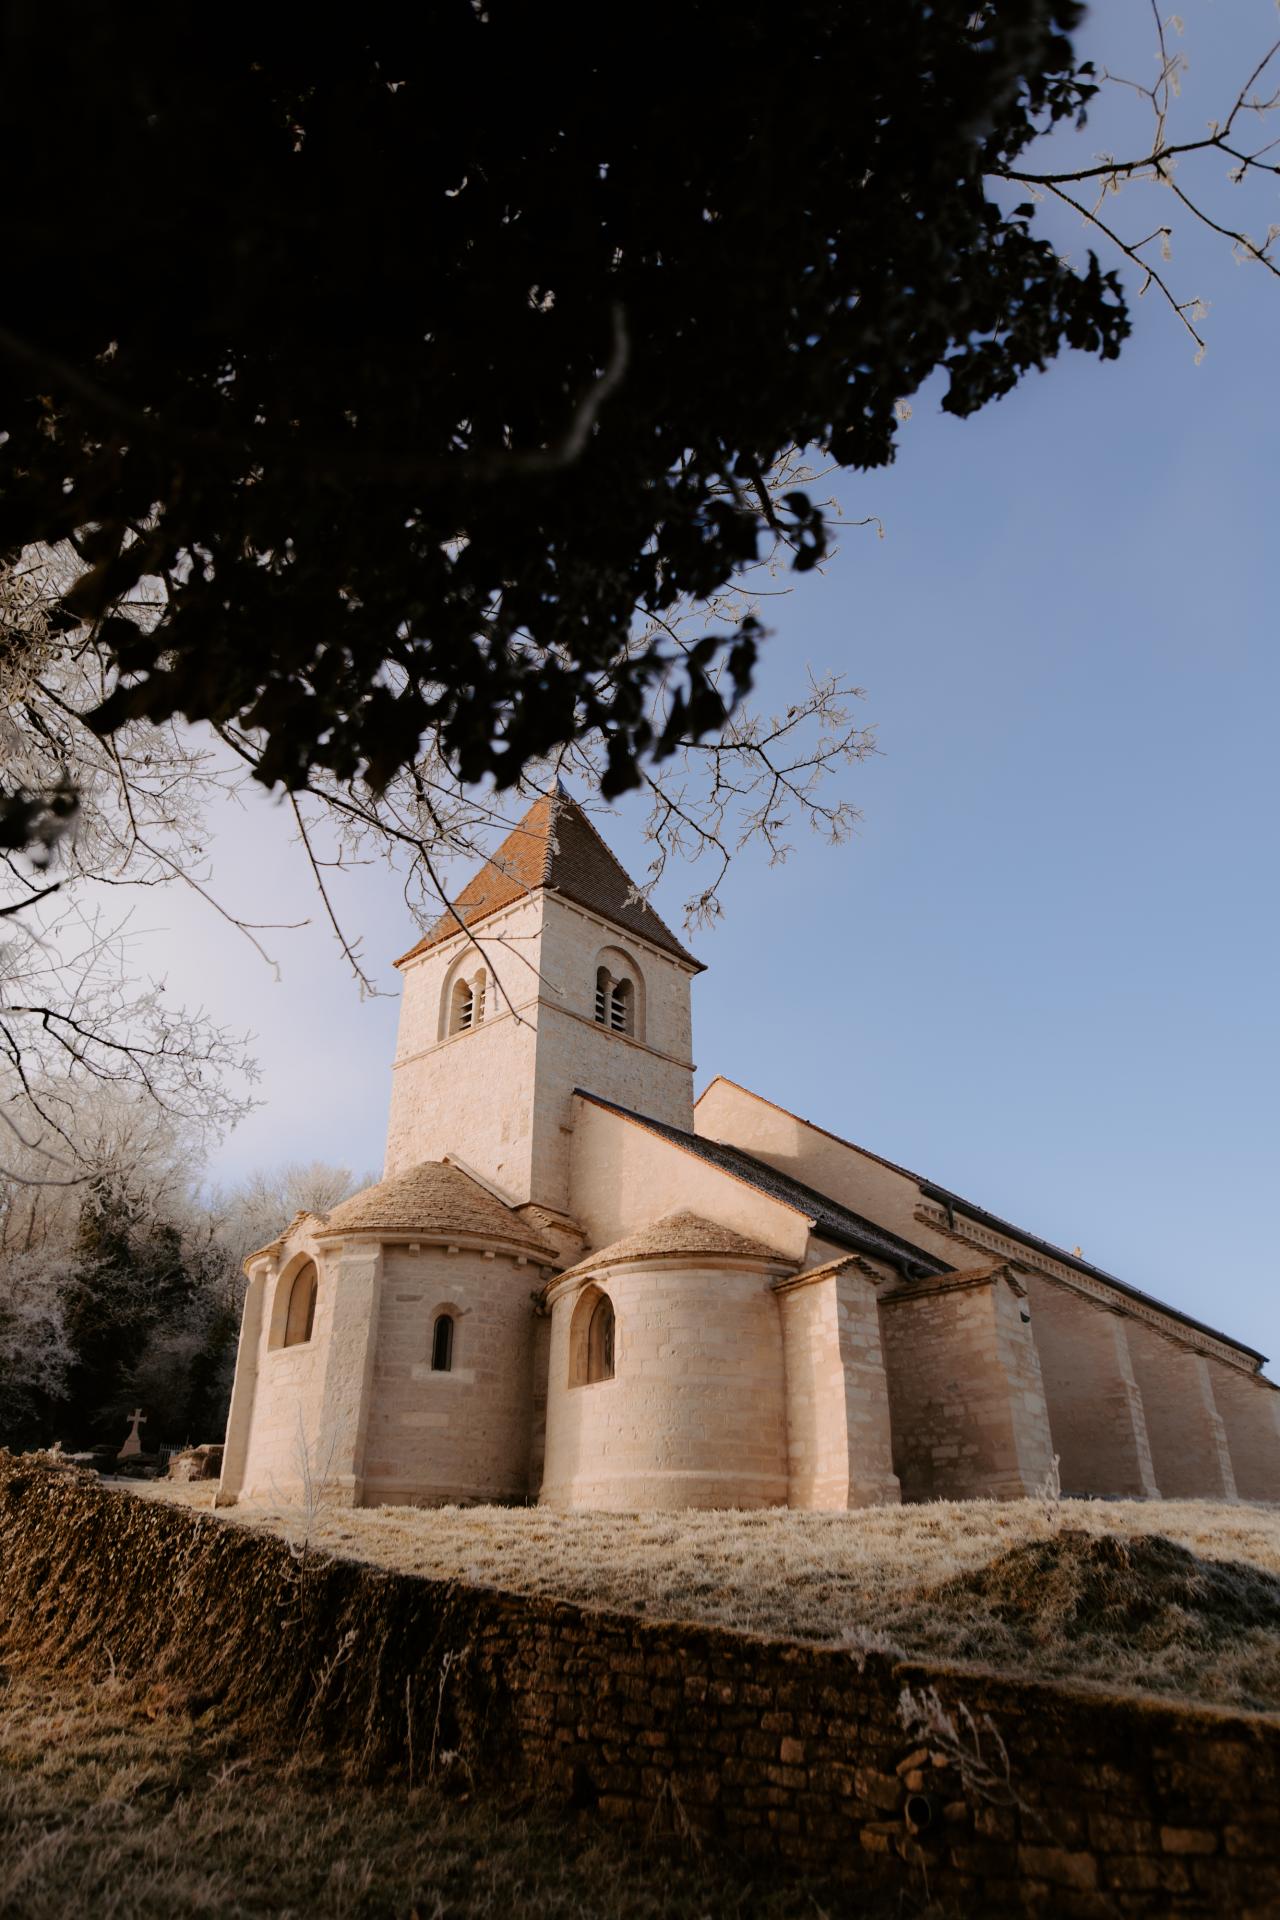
{"points": [[1027, 1585]]}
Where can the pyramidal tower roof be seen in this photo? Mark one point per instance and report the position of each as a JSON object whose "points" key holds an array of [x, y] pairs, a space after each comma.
{"points": [[554, 846]]}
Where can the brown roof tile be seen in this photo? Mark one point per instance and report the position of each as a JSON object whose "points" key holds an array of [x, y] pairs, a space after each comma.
{"points": [[678, 1233], [554, 846], [431, 1198]]}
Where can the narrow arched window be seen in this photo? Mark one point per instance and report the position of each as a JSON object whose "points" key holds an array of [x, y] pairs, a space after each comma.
{"points": [[622, 1003], [442, 1345], [301, 1316], [603, 995], [600, 1342]]}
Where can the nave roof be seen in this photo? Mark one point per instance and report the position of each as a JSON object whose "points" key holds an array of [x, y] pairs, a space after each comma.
{"points": [[831, 1220]]}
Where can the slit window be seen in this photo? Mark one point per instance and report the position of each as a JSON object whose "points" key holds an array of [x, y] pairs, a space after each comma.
{"points": [[442, 1344], [600, 1342]]}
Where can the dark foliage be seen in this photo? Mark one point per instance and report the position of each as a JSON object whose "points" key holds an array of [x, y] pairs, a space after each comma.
{"points": [[417, 349], [141, 1326]]}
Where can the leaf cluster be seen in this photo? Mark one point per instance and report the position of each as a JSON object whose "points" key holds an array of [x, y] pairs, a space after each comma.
{"points": [[423, 356]]}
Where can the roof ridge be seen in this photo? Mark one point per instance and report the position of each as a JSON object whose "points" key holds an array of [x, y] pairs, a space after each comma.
{"points": [[557, 794], [566, 798]]}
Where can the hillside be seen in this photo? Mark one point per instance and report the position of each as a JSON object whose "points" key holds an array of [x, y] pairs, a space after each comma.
{"points": [[266, 1663], [1180, 1597]]}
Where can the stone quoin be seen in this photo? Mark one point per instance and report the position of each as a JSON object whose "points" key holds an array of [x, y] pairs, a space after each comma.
{"points": [[578, 1284]]}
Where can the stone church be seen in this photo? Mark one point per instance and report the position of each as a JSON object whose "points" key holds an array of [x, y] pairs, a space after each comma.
{"points": [[578, 1284]]}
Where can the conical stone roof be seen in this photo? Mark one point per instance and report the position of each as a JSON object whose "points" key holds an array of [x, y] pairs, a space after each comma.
{"points": [[682, 1233], [435, 1200], [555, 846]]}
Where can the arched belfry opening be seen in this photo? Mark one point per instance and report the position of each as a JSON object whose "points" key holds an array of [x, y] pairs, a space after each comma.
{"points": [[465, 999], [619, 993]]}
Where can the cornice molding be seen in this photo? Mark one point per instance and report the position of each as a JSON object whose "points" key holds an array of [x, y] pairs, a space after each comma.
{"points": [[969, 1233]]}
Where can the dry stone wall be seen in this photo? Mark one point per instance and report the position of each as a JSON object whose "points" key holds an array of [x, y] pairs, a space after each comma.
{"points": [[997, 1796]]}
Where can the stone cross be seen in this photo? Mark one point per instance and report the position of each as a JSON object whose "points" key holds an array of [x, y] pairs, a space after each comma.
{"points": [[132, 1444]]}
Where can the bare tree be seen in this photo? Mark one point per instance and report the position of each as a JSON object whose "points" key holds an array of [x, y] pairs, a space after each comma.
{"points": [[71, 1014], [1236, 151], [765, 776]]}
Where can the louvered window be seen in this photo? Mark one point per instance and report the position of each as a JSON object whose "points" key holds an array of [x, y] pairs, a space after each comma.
{"points": [[466, 1003]]}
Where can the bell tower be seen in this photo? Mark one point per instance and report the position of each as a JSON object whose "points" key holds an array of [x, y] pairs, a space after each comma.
{"points": [[544, 975]]}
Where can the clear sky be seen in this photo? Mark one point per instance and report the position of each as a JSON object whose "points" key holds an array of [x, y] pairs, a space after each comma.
{"points": [[1044, 972]]}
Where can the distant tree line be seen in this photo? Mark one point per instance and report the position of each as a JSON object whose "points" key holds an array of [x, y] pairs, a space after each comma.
{"points": [[127, 1290]]}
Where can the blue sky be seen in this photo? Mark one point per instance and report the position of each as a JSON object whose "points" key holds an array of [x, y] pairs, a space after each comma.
{"points": [[1044, 970]]}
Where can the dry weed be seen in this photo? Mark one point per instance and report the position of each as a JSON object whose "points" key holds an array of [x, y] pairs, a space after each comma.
{"points": [[869, 1578], [109, 1809]]}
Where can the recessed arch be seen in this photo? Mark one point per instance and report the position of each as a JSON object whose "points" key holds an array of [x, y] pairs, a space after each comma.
{"points": [[293, 1307], [618, 993], [593, 1337]]}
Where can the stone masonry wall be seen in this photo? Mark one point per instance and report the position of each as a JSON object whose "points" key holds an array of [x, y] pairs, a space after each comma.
{"points": [[470, 1093], [1189, 1452], [1009, 1797], [1250, 1410], [624, 1176], [869, 1186], [839, 1443], [276, 1410], [464, 1434], [1095, 1408], [696, 1413], [1124, 1402], [500, 1096], [964, 1392]]}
